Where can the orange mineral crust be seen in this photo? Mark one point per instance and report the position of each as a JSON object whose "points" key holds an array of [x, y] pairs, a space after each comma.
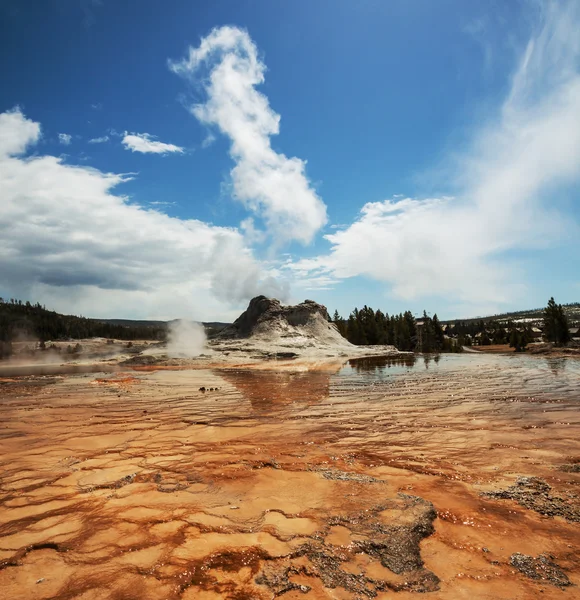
{"points": [[455, 477]]}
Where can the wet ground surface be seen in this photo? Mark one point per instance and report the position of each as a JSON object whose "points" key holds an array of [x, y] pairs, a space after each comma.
{"points": [[455, 477]]}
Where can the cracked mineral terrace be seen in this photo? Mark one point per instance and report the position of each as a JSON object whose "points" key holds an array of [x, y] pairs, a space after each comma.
{"points": [[368, 478]]}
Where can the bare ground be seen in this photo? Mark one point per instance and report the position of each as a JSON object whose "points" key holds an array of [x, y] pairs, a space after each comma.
{"points": [[294, 480]]}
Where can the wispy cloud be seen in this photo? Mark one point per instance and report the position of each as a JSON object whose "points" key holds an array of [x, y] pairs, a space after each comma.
{"points": [[459, 247], [65, 139], [97, 106], [99, 140], [161, 203], [146, 144], [477, 29], [208, 140], [268, 183], [68, 239]]}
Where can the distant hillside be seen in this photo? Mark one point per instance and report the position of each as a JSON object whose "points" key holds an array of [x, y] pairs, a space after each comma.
{"points": [[25, 321], [211, 327], [572, 311], [132, 323]]}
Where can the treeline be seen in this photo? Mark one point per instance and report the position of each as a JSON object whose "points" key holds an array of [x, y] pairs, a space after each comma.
{"points": [[486, 333], [489, 331], [571, 310], [554, 328], [23, 320], [368, 327], [428, 334]]}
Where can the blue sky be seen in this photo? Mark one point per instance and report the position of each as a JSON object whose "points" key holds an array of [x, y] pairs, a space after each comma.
{"points": [[426, 155]]}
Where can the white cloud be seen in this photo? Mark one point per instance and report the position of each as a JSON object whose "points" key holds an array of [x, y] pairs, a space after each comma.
{"points": [[208, 140], [64, 138], [456, 247], [270, 184], [17, 133], [99, 140], [251, 234], [161, 203], [66, 239], [145, 143], [419, 247]]}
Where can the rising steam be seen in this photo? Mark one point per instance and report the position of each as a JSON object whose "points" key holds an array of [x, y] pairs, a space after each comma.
{"points": [[185, 339]]}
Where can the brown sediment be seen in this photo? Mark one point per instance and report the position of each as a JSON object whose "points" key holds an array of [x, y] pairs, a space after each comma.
{"points": [[119, 379], [535, 494], [541, 568], [338, 482], [572, 468]]}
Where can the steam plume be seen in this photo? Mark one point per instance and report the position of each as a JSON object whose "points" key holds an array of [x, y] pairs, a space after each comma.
{"points": [[186, 339]]}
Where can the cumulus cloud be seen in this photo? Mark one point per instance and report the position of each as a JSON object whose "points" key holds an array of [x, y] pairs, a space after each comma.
{"points": [[268, 183], [99, 140], [145, 143], [458, 247], [420, 247], [68, 240], [64, 138], [17, 133]]}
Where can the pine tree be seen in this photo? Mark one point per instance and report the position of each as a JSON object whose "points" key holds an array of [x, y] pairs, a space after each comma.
{"points": [[518, 340], [427, 334], [515, 339], [556, 329], [381, 324], [353, 329], [438, 333], [412, 328], [340, 323]]}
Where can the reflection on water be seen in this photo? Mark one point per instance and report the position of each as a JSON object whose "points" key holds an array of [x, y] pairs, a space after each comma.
{"points": [[15, 370], [556, 365], [379, 364], [267, 390], [427, 358], [387, 364], [271, 390], [518, 372]]}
